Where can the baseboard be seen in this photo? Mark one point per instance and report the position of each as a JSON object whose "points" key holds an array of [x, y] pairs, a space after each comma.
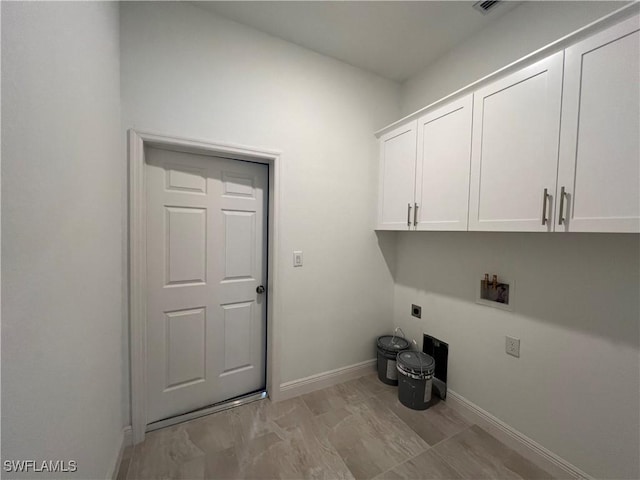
{"points": [[474, 411], [127, 434], [325, 379], [126, 440]]}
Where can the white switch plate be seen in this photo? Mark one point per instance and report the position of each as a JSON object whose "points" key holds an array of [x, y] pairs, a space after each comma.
{"points": [[297, 258], [512, 346]]}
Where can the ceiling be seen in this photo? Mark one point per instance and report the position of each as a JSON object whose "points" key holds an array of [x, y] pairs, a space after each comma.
{"points": [[393, 39]]}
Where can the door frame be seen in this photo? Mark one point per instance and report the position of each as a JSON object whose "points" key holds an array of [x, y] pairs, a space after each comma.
{"points": [[138, 259]]}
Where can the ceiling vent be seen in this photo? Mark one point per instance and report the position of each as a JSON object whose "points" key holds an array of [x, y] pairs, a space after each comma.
{"points": [[485, 7]]}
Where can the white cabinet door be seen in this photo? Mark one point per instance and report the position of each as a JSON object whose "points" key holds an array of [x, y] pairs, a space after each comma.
{"points": [[514, 160], [397, 178], [442, 173], [206, 255], [599, 169]]}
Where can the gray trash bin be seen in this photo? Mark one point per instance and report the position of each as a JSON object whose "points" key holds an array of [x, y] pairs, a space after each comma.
{"points": [[415, 379], [388, 348]]}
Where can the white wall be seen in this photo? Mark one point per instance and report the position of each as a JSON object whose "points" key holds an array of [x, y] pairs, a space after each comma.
{"points": [[61, 224], [526, 28], [575, 389], [187, 72]]}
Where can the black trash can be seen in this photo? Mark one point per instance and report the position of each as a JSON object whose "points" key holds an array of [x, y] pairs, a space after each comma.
{"points": [[415, 379], [388, 348]]}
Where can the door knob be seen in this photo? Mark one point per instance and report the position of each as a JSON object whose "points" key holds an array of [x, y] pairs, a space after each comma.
{"points": [[260, 289]]}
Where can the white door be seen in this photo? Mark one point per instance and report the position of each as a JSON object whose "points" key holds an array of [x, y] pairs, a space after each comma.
{"points": [[442, 173], [206, 257], [397, 178], [599, 171], [514, 160]]}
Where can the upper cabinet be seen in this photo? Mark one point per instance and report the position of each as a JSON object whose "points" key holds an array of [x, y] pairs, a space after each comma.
{"points": [[599, 171], [397, 178], [424, 171], [442, 170], [514, 164], [551, 147]]}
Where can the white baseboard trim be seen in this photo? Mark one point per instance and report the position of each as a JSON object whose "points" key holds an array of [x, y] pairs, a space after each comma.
{"points": [[325, 379], [456, 400], [127, 437], [126, 440]]}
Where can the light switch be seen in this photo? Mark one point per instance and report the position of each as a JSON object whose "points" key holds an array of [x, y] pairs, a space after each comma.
{"points": [[297, 258]]}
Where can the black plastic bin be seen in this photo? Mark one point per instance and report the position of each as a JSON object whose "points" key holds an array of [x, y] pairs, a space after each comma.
{"points": [[388, 348], [415, 376]]}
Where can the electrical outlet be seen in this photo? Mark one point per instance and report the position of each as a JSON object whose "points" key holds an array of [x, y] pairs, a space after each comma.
{"points": [[416, 311], [512, 346]]}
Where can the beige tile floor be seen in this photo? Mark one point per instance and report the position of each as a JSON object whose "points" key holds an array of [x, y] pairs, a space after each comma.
{"points": [[357, 429]]}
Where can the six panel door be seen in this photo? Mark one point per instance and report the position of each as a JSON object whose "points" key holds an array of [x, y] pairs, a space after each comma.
{"points": [[599, 171], [442, 176], [516, 123], [206, 256], [397, 178]]}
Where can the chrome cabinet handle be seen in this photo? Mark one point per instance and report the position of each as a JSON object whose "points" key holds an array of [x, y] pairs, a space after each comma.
{"points": [[561, 209], [415, 214], [545, 195], [408, 214]]}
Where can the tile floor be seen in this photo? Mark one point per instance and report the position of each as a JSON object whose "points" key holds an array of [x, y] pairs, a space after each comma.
{"points": [[357, 429]]}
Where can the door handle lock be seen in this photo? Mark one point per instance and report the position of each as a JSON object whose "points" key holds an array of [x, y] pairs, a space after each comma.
{"points": [[260, 289]]}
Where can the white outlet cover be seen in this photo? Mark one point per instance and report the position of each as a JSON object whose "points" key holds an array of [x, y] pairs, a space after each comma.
{"points": [[512, 346]]}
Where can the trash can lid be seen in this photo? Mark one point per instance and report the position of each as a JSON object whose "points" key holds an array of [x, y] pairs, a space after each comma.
{"points": [[392, 343], [418, 362]]}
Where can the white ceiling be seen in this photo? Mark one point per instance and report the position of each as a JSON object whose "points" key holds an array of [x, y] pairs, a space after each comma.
{"points": [[393, 39]]}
